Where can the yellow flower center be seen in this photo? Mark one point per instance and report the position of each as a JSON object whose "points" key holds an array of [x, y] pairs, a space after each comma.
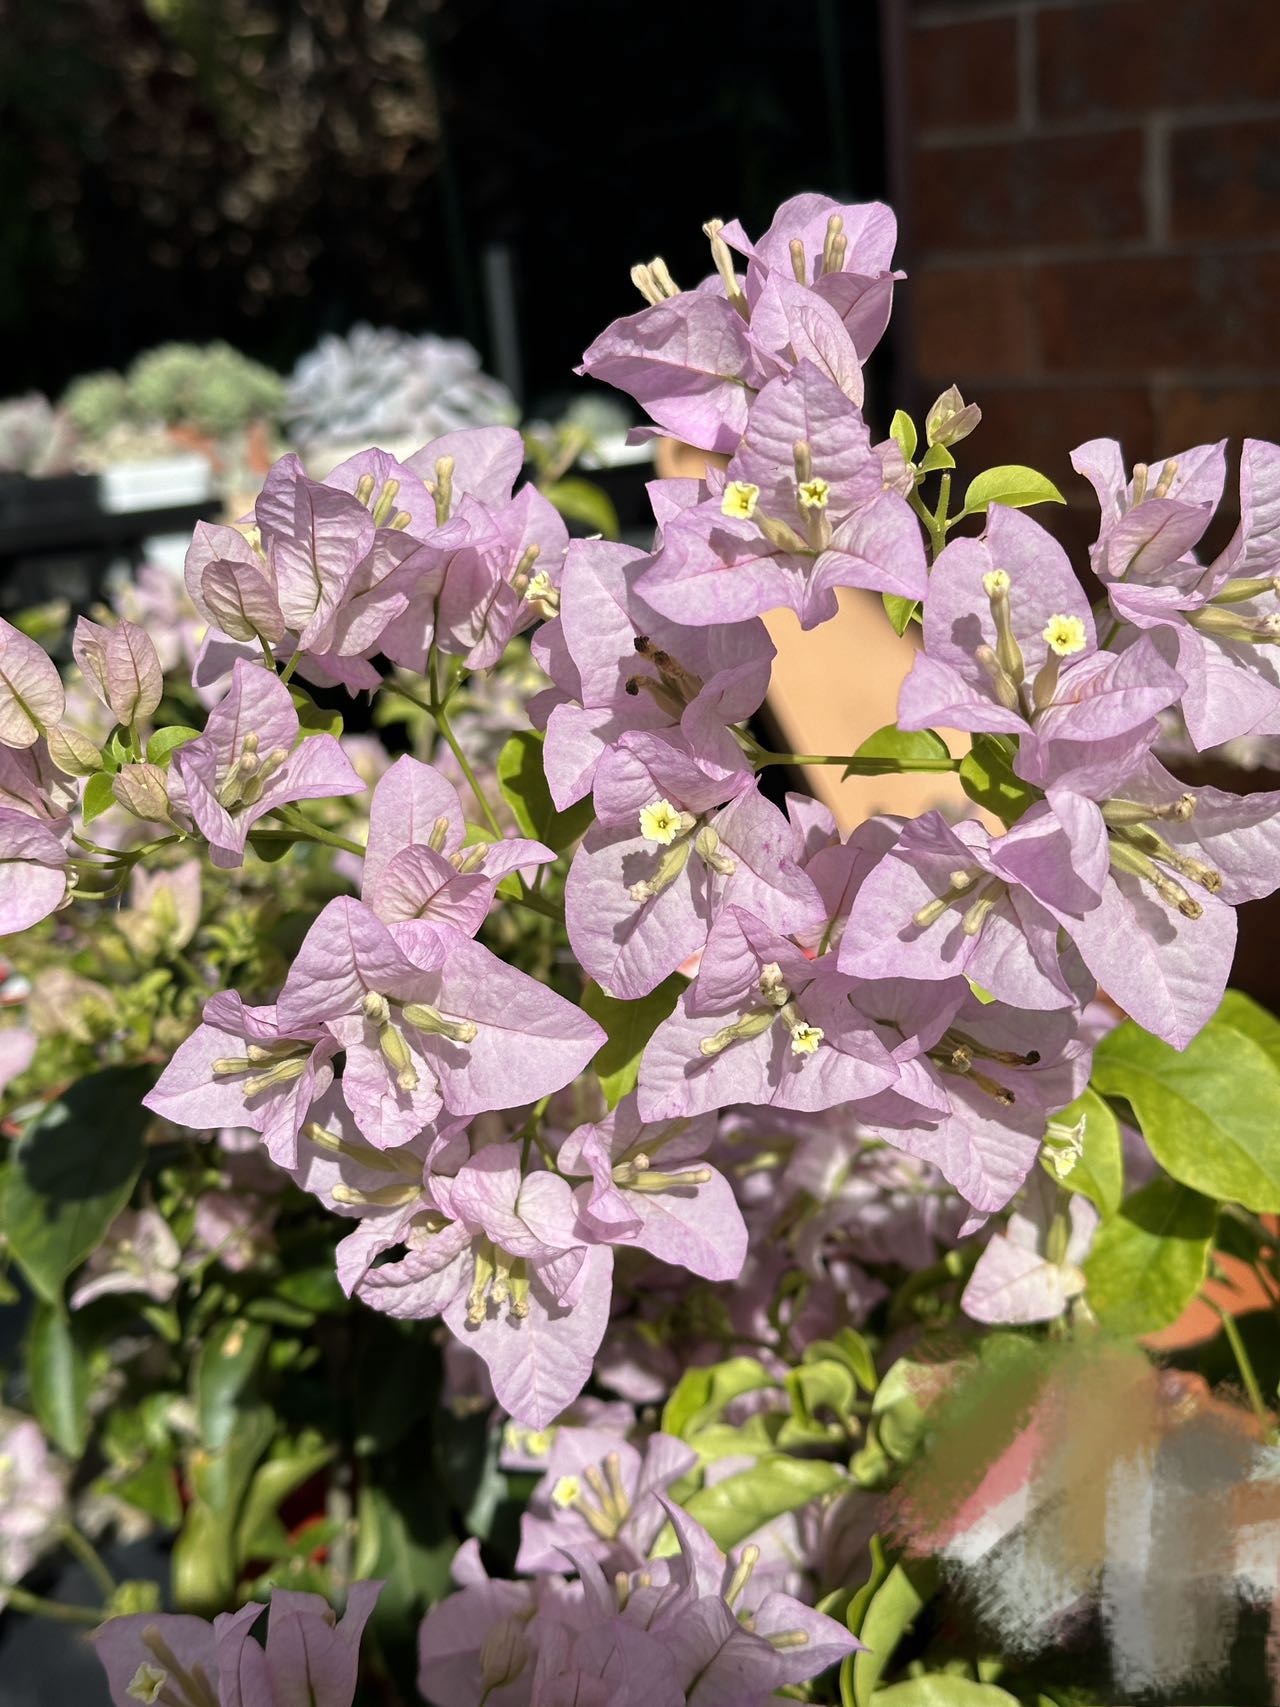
{"points": [[146, 1683], [660, 822], [996, 581], [566, 1491], [813, 494], [1065, 635], [806, 1038], [739, 500]]}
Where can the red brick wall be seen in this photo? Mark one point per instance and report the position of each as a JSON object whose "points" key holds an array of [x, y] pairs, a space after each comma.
{"points": [[1094, 221]]}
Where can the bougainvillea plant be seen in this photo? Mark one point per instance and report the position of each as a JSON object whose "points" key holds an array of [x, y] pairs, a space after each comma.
{"points": [[515, 1157]]}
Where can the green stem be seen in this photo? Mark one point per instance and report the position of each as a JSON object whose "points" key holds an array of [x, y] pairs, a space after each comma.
{"points": [[536, 904], [937, 534], [1251, 1387], [90, 1558], [435, 708], [855, 765], [22, 1600], [464, 765], [305, 830], [286, 675], [944, 504]]}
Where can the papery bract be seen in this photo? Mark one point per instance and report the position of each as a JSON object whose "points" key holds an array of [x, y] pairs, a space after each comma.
{"points": [[31, 692], [250, 761]]}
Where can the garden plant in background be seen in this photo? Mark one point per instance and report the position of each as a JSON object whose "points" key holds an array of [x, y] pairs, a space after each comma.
{"points": [[503, 1155]]}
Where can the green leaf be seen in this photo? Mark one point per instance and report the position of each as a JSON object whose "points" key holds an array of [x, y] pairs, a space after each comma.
{"points": [[891, 1612], [272, 1484], [524, 787], [58, 1376], [1148, 1263], [72, 1174], [903, 429], [892, 744], [941, 1690], [736, 1507], [821, 1384], [1010, 484], [898, 1411], [313, 719], [1098, 1173], [852, 1350], [584, 502], [701, 1394], [153, 1488], [1243, 1014], [97, 796], [987, 777], [1210, 1112], [899, 611], [937, 456], [164, 741], [856, 1610], [403, 1538], [628, 1027], [225, 1367]]}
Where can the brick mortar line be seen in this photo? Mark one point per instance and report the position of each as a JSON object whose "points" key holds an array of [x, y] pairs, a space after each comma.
{"points": [[938, 17], [1157, 182], [1090, 254], [1178, 119], [1156, 385], [1160, 379]]}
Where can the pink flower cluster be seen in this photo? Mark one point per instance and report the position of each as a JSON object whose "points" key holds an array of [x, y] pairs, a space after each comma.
{"points": [[928, 979]]}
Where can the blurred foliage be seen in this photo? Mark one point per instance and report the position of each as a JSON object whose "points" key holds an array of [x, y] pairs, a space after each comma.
{"points": [[225, 143]]}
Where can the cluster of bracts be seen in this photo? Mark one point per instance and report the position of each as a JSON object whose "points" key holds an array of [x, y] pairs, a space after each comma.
{"points": [[928, 979]]}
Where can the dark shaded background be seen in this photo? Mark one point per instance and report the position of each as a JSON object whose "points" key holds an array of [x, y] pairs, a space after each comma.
{"points": [[267, 170]]}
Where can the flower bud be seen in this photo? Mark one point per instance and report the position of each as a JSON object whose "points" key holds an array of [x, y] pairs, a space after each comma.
{"points": [[141, 789], [121, 666], [950, 419], [426, 1018], [504, 1653], [73, 753]]}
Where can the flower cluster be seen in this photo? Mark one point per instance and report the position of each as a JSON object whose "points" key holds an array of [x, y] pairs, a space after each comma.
{"points": [[739, 1045]]}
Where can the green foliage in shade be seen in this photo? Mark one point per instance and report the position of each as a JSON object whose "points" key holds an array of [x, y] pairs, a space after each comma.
{"points": [[73, 1172], [1009, 484], [629, 1026], [893, 744], [1148, 1263], [891, 1611], [584, 502], [732, 1509], [313, 719], [701, 1394], [226, 1366], [58, 1375], [1098, 1174], [1210, 1112], [987, 777], [403, 1537], [524, 788]]}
